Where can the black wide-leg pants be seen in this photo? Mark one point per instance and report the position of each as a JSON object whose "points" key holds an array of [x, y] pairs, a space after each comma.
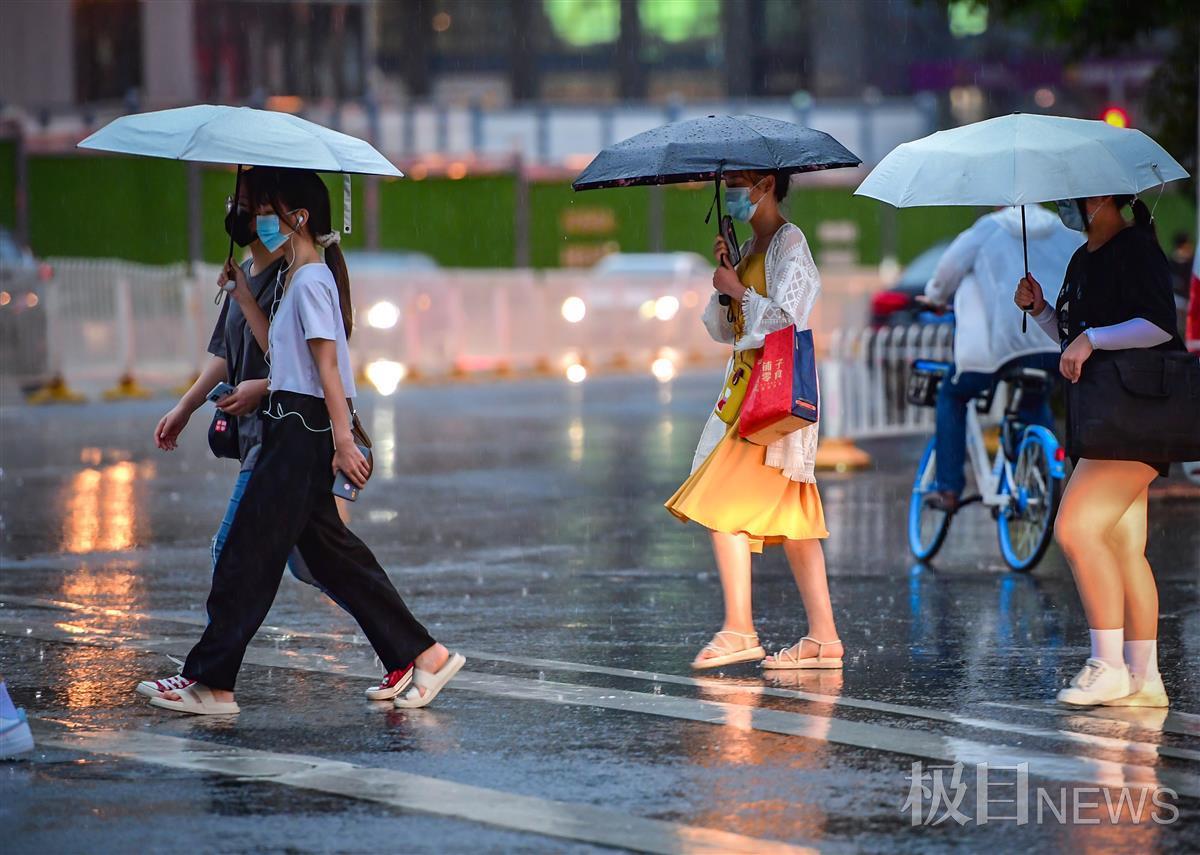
{"points": [[289, 503]]}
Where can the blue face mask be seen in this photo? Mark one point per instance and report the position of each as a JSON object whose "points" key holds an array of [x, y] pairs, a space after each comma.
{"points": [[1071, 216], [738, 204], [272, 237]]}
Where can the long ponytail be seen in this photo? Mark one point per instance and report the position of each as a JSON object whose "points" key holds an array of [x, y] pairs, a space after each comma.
{"points": [[288, 189], [336, 262]]}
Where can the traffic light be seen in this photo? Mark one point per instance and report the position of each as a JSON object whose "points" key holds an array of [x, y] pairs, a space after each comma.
{"points": [[1115, 116]]}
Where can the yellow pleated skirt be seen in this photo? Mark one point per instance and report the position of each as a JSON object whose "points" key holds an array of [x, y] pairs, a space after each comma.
{"points": [[734, 491]]}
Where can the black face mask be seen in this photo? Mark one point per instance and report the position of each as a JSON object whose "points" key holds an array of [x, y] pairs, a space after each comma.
{"points": [[239, 225]]}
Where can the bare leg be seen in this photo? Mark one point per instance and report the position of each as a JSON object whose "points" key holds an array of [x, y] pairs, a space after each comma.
{"points": [[807, 560], [1128, 542], [1097, 497], [732, 552]]}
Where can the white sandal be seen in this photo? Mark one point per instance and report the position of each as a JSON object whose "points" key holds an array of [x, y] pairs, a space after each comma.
{"points": [[751, 651], [197, 700], [787, 660], [431, 682]]}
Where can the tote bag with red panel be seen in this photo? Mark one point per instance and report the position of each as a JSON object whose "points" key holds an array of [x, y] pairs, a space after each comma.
{"points": [[783, 395]]}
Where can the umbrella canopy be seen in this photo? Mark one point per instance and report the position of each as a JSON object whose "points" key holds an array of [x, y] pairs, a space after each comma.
{"points": [[702, 149], [239, 136], [1020, 159]]}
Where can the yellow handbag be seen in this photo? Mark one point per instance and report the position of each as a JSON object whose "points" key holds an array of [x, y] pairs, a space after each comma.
{"points": [[729, 404]]}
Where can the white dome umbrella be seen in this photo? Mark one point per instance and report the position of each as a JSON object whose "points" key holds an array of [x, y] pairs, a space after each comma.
{"points": [[242, 136], [1020, 159]]}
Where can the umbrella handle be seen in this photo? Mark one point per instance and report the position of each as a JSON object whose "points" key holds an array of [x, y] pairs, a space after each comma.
{"points": [[237, 189], [237, 193], [724, 299], [1025, 250]]}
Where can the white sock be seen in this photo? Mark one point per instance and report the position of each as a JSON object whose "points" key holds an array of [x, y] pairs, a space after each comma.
{"points": [[1142, 658], [1107, 645]]}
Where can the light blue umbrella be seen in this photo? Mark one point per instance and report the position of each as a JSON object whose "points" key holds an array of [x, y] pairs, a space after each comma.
{"points": [[1020, 159], [242, 136]]}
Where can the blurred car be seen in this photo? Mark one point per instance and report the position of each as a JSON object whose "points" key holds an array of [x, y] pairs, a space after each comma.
{"points": [[653, 264], [377, 283], [23, 279], [899, 305], [387, 261]]}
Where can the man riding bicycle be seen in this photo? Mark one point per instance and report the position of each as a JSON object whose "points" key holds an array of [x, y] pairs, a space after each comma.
{"points": [[978, 270]]}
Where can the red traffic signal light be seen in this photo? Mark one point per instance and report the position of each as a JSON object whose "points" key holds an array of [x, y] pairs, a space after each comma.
{"points": [[1115, 116]]}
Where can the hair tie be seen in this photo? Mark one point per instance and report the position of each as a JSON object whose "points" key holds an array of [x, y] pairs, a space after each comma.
{"points": [[328, 240]]}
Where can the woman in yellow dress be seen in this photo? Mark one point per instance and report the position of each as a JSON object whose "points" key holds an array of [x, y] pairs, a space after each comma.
{"points": [[748, 495]]}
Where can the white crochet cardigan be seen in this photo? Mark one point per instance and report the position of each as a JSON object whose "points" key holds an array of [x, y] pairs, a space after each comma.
{"points": [[792, 287]]}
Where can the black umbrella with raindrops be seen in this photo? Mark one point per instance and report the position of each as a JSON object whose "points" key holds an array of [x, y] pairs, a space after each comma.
{"points": [[706, 148]]}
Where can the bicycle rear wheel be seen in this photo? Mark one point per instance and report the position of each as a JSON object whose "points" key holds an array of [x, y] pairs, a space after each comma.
{"points": [[1026, 525], [927, 527]]}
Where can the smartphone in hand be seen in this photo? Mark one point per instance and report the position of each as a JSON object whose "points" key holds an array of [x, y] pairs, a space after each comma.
{"points": [[343, 487], [735, 253], [220, 391], [731, 241]]}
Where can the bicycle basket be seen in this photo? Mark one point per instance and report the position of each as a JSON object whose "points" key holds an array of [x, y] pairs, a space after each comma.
{"points": [[924, 378]]}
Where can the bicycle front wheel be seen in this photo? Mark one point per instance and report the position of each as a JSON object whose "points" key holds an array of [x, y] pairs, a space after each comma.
{"points": [[1026, 525], [927, 527]]}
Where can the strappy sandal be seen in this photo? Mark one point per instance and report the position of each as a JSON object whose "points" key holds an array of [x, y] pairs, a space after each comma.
{"points": [[725, 653], [787, 660], [197, 700]]}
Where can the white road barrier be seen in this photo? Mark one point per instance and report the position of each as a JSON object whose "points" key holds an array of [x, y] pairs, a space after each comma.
{"points": [[864, 375], [106, 319]]}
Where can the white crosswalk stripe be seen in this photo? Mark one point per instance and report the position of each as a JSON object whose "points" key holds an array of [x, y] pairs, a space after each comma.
{"points": [[421, 793], [918, 743]]}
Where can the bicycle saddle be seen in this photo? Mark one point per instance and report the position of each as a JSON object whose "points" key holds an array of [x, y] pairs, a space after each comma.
{"points": [[1033, 378]]}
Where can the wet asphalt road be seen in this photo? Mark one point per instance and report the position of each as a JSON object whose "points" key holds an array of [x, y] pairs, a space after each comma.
{"points": [[523, 523]]}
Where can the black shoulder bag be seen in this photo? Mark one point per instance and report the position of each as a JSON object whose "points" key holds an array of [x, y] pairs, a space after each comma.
{"points": [[1136, 404]]}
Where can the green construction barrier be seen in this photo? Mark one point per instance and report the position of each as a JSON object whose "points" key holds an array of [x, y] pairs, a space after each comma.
{"points": [[8, 184], [136, 209]]}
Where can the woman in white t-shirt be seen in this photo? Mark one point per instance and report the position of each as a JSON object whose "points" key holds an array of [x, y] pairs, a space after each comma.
{"points": [[289, 500]]}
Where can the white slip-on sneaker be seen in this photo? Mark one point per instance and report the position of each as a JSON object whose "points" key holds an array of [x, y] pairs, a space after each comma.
{"points": [[393, 684], [1145, 693], [1096, 683], [159, 688]]}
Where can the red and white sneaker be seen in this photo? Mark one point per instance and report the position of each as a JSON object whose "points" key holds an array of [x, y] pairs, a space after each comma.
{"points": [[158, 688], [393, 684]]}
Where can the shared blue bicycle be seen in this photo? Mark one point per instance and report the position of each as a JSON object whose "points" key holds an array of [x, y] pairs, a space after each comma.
{"points": [[1022, 485]]}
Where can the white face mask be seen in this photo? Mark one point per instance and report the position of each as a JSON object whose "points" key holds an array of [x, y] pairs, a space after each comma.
{"points": [[738, 204]]}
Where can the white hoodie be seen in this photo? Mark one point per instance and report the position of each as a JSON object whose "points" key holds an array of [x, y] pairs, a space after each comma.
{"points": [[981, 269]]}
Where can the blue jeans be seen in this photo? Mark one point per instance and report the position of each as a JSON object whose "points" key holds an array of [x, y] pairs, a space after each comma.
{"points": [[295, 563], [956, 393]]}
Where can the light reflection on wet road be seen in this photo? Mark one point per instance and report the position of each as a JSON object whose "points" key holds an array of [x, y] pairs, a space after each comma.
{"points": [[524, 522]]}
